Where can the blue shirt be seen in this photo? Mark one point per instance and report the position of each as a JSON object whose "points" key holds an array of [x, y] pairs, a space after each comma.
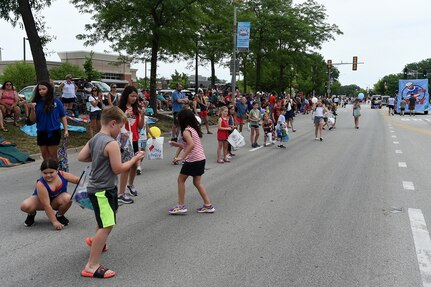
{"points": [[176, 107], [51, 121], [53, 193]]}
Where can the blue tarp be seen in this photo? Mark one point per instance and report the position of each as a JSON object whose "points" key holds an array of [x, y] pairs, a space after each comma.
{"points": [[32, 130]]}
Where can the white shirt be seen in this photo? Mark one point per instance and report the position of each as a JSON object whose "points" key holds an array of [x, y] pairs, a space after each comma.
{"points": [[93, 108], [68, 90], [391, 101], [319, 112]]}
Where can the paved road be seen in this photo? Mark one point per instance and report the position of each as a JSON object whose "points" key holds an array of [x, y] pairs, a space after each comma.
{"points": [[340, 212]]}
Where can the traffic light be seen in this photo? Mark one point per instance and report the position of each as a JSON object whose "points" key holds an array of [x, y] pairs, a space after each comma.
{"points": [[355, 63], [329, 63]]}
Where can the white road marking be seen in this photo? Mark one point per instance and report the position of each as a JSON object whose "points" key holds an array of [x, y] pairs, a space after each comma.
{"points": [[405, 120], [398, 151], [402, 164], [396, 142], [392, 131], [422, 241], [256, 148], [394, 137], [408, 185]]}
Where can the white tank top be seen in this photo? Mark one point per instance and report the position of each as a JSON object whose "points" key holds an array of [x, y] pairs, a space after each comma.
{"points": [[318, 112], [68, 90]]}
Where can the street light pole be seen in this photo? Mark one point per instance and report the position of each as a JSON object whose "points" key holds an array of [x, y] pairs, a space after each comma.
{"points": [[291, 81], [145, 74], [196, 69], [233, 88]]}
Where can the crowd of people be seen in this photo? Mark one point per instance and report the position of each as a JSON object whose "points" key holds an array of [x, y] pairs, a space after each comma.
{"points": [[117, 146]]}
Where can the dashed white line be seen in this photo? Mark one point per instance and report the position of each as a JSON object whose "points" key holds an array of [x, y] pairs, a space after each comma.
{"points": [[402, 164], [392, 131], [408, 185], [398, 151], [396, 142], [394, 137], [422, 241]]}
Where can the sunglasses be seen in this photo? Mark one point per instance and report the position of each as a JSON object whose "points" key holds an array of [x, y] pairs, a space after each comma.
{"points": [[94, 90], [114, 87], [8, 84]]}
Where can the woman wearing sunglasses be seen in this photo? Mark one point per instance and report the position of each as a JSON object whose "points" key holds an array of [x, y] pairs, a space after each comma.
{"points": [[95, 100]]}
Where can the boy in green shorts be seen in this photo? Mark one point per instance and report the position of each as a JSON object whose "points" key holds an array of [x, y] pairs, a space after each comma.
{"points": [[104, 154]]}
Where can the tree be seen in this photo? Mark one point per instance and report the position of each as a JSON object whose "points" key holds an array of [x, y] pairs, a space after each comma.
{"points": [[90, 73], [179, 78], [61, 71], [283, 35], [11, 11], [21, 74], [160, 30]]}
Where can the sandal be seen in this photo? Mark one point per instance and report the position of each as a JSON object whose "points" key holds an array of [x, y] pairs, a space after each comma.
{"points": [[99, 273], [226, 160], [220, 161], [4, 129], [89, 242]]}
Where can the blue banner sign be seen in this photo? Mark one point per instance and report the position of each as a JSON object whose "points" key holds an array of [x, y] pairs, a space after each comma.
{"points": [[243, 35], [417, 89]]}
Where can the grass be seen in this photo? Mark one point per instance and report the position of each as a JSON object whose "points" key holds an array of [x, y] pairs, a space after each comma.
{"points": [[28, 144]]}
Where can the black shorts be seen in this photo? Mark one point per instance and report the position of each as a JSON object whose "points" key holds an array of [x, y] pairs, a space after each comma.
{"points": [[48, 138], [68, 100], [175, 118], [195, 168], [95, 115], [105, 205]]}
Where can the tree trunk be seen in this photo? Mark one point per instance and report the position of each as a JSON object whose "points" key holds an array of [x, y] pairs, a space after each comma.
{"points": [[39, 60], [153, 73], [213, 76], [244, 74]]}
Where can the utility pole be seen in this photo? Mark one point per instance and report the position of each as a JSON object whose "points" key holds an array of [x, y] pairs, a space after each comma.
{"points": [[233, 88]]}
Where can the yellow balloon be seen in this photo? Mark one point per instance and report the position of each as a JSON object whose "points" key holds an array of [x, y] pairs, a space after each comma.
{"points": [[155, 131]]}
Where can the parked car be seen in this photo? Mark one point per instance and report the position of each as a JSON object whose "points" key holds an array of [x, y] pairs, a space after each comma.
{"points": [[27, 93], [376, 102]]}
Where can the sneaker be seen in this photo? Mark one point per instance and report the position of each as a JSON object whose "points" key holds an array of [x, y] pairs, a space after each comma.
{"points": [[138, 171], [256, 145], [178, 209], [253, 145], [125, 199], [62, 219], [30, 220], [206, 209], [281, 146], [132, 190]]}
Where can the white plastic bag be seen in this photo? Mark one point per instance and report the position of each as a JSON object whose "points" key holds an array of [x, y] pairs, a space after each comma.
{"points": [[235, 139], [81, 195], [154, 148]]}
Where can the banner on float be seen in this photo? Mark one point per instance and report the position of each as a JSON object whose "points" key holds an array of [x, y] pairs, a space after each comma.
{"points": [[243, 36], [416, 88]]}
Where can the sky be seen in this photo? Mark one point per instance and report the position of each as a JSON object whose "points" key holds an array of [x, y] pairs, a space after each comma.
{"points": [[385, 35]]}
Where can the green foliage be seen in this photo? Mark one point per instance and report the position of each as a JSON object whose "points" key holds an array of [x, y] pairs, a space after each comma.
{"points": [[60, 72], [349, 90], [90, 73], [179, 78], [20, 74], [143, 83]]}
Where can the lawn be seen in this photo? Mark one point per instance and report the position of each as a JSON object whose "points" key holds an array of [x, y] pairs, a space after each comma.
{"points": [[28, 144]]}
